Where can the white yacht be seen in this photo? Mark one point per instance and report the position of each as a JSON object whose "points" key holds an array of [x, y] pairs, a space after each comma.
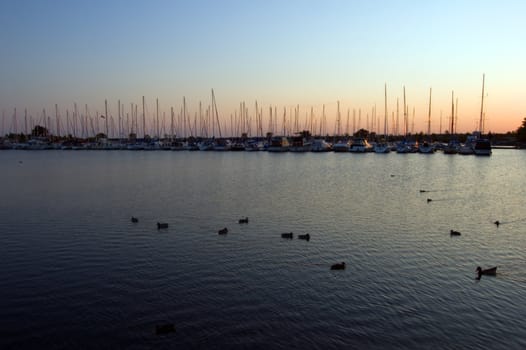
{"points": [[360, 145], [320, 145]]}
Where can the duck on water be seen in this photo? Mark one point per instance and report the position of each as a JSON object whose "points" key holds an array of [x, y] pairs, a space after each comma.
{"points": [[288, 235], [338, 266], [161, 225], [492, 271]]}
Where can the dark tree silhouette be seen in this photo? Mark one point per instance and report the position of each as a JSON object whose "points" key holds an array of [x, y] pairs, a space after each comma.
{"points": [[521, 131], [39, 131]]}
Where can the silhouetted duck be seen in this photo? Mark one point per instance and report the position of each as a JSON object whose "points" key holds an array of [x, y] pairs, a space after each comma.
{"points": [[164, 328], [288, 235], [429, 200], [243, 221], [492, 271], [161, 225], [223, 231], [339, 266], [497, 223], [454, 233], [305, 237], [134, 219]]}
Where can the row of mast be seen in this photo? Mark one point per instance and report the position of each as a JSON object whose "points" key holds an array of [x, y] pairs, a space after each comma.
{"points": [[208, 123]]}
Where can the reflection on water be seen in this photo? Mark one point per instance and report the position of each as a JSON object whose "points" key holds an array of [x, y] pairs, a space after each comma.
{"points": [[76, 272]]}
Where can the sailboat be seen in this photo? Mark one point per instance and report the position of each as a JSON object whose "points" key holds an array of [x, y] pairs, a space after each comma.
{"points": [[383, 146], [426, 146], [453, 144], [482, 145]]}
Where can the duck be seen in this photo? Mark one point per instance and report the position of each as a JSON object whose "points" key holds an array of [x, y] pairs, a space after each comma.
{"points": [[492, 271], [497, 223], [164, 328], [161, 225], [288, 235], [243, 221], [305, 237], [454, 233], [429, 200], [338, 266], [223, 231], [134, 219]]}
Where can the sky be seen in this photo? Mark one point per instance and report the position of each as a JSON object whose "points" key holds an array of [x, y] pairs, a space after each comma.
{"points": [[282, 54]]}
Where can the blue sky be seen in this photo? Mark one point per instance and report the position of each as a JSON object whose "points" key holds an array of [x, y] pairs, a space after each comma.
{"points": [[280, 53]]}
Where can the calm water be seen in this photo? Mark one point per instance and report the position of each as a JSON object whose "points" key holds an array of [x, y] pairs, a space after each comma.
{"points": [[76, 273]]}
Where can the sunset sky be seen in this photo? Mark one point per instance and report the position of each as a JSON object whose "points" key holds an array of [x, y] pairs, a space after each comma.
{"points": [[278, 53]]}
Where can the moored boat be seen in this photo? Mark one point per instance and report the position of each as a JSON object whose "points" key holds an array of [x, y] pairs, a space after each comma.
{"points": [[341, 146], [278, 144], [360, 145]]}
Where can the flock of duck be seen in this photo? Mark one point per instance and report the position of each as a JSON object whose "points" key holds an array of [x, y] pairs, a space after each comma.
{"points": [[337, 266], [224, 231], [492, 271], [170, 327]]}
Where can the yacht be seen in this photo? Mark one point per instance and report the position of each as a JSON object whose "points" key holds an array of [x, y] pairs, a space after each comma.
{"points": [[360, 145], [467, 147], [382, 147], [278, 144], [426, 147], [341, 146], [482, 147], [320, 145], [253, 145], [299, 144]]}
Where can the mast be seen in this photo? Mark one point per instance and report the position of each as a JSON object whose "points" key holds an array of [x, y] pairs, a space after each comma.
{"points": [[75, 115], [184, 117], [429, 115], [406, 120], [106, 117], [25, 121], [481, 121], [338, 120], [143, 120], [385, 111], [172, 123], [57, 120], [452, 128], [119, 116], [456, 114], [157, 116], [214, 107]]}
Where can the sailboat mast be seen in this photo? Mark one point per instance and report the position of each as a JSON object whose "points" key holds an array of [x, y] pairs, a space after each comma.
{"points": [[429, 115], [143, 119], [214, 106], [120, 121], [57, 120], [106, 117], [184, 117], [452, 130], [338, 120], [385, 111], [481, 121], [406, 120], [157, 116]]}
